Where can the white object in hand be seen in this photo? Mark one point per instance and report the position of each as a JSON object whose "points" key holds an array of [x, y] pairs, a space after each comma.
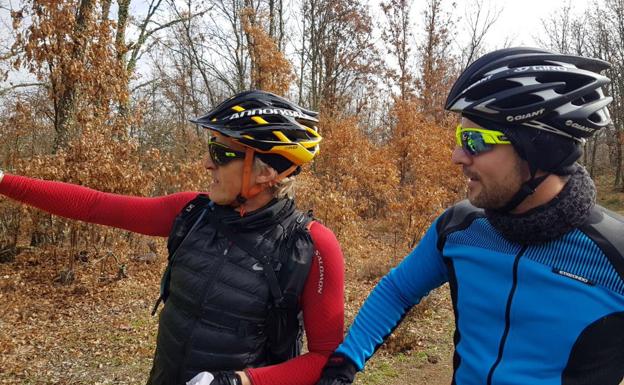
{"points": [[203, 378]]}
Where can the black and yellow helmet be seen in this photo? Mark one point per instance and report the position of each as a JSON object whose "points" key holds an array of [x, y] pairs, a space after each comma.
{"points": [[280, 132]]}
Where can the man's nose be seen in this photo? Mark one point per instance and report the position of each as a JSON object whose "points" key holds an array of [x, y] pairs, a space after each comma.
{"points": [[460, 156]]}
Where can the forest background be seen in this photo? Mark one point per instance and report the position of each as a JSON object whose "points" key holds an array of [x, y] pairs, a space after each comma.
{"points": [[99, 93]]}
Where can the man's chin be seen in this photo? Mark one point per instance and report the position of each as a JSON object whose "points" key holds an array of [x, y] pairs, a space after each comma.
{"points": [[478, 201], [484, 204], [473, 198]]}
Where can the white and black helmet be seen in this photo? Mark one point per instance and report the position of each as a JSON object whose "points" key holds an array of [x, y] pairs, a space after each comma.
{"points": [[535, 88]]}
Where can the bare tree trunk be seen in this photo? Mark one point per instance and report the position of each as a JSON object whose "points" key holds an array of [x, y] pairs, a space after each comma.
{"points": [[194, 57], [63, 116], [432, 20], [280, 39], [314, 56], [64, 109], [122, 22], [240, 46], [106, 6], [272, 19], [592, 163], [120, 45], [436, 62], [618, 163], [249, 19], [398, 36]]}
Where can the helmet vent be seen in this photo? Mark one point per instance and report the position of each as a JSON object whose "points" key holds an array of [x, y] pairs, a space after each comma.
{"points": [[495, 71], [546, 94], [281, 105], [600, 117], [590, 97], [274, 118], [595, 117], [525, 81], [490, 88], [570, 82], [520, 100]]}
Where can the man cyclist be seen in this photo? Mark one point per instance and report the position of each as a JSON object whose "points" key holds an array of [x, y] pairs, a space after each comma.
{"points": [[535, 267], [243, 262]]}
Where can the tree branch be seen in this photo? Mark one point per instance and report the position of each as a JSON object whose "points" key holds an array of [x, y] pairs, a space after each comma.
{"points": [[144, 84], [22, 85], [145, 34]]}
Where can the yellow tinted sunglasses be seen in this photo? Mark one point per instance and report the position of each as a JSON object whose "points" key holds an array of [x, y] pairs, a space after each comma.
{"points": [[478, 140]]}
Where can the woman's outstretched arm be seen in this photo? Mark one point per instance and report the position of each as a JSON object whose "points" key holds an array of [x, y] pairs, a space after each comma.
{"points": [[149, 216]]}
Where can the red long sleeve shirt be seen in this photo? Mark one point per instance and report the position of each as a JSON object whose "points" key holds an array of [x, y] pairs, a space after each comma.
{"points": [[322, 298]]}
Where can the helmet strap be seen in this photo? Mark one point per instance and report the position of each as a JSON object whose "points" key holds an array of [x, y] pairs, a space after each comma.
{"points": [[285, 173], [248, 191], [527, 188], [530, 155]]}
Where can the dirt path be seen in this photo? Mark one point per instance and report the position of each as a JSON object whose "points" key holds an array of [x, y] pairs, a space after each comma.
{"points": [[407, 369], [427, 333]]}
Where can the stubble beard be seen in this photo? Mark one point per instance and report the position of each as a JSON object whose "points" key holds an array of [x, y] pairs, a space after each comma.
{"points": [[496, 194]]}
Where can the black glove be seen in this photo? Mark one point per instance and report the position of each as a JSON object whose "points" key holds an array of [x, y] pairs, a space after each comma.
{"points": [[339, 370], [226, 378]]}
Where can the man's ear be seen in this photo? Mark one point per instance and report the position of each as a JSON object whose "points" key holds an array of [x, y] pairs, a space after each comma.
{"points": [[266, 175]]}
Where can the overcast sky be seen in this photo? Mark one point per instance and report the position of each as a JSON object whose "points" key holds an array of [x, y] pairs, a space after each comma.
{"points": [[520, 20]]}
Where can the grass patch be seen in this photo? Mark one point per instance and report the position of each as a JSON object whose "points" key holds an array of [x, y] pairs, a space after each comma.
{"points": [[607, 195], [379, 372], [428, 334]]}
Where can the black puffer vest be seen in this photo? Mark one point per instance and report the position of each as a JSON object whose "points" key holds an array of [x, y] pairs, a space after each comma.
{"points": [[219, 312]]}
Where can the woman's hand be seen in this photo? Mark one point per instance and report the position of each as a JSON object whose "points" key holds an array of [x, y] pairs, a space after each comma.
{"points": [[219, 378]]}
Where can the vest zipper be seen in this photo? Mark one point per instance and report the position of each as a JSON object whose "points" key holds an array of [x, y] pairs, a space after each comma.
{"points": [[211, 279], [501, 346], [164, 280]]}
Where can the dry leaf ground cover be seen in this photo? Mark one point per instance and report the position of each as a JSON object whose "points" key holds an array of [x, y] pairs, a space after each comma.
{"points": [[91, 331], [95, 331]]}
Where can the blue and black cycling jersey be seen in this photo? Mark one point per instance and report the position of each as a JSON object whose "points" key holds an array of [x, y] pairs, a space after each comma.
{"points": [[545, 314]]}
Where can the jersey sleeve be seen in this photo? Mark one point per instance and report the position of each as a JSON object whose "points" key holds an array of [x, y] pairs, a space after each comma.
{"points": [[150, 216], [396, 293], [323, 311]]}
